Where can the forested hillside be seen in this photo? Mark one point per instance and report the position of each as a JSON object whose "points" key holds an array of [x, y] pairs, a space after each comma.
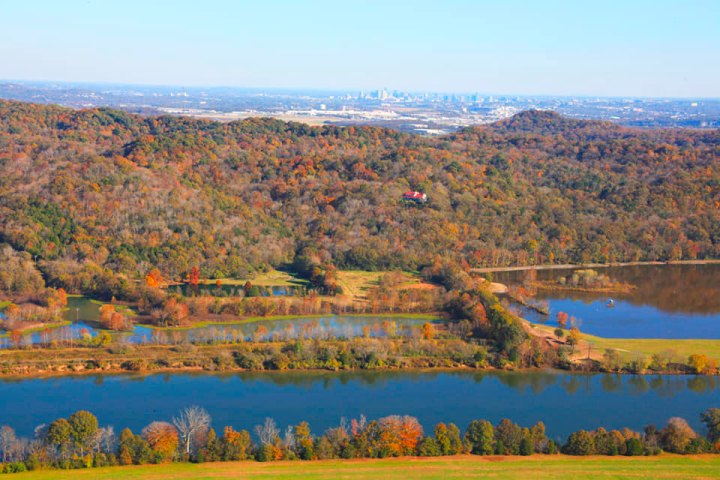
{"points": [[107, 191]]}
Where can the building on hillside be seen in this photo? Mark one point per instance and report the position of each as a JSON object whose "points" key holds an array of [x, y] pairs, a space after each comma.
{"points": [[415, 197]]}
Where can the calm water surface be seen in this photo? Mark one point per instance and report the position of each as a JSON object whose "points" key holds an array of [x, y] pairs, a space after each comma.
{"points": [[671, 301], [564, 402], [83, 312]]}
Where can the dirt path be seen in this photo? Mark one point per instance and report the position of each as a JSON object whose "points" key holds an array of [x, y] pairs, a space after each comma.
{"points": [[581, 349]]}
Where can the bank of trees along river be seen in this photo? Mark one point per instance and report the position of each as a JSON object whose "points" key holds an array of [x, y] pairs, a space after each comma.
{"points": [[80, 442]]}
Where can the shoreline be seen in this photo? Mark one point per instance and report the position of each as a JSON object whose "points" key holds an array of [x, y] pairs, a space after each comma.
{"points": [[592, 265], [65, 370], [320, 371]]}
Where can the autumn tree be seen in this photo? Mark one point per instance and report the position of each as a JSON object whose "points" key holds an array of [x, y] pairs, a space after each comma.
{"points": [[698, 362], [193, 278], [677, 435], [574, 337], [562, 319], [428, 331], [162, 438], [235, 445], [398, 435], [303, 441]]}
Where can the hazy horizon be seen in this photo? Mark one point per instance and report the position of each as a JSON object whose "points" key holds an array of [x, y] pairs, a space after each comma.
{"points": [[81, 83], [617, 49]]}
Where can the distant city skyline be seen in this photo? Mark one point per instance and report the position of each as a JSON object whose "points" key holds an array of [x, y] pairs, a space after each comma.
{"points": [[321, 91], [615, 49]]}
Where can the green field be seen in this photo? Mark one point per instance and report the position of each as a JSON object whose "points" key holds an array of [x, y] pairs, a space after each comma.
{"points": [[535, 467], [273, 278], [629, 348]]}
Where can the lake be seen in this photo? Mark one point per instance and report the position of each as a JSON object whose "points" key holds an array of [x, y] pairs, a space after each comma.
{"points": [[565, 402], [671, 301]]}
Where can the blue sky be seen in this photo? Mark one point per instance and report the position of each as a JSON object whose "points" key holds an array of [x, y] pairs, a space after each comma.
{"points": [[605, 48]]}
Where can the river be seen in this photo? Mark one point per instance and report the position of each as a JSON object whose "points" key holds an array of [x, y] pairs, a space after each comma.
{"points": [[565, 402]]}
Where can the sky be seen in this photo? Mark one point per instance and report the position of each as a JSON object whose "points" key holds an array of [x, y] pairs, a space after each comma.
{"points": [[598, 48]]}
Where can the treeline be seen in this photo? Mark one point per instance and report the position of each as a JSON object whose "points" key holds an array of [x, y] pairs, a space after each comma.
{"points": [[79, 441], [98, 197]]}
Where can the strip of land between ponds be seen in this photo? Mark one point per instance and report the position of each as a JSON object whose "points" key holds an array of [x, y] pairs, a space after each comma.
{"points": [[209, 323]]}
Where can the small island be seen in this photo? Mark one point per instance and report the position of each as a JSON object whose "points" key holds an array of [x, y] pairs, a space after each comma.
{"points": [[586, 281]]}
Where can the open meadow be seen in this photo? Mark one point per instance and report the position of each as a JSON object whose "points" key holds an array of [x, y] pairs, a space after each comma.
{"points": [[464, 466]]}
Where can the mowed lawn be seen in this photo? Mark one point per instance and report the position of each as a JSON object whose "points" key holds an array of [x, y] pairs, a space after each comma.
{"points": [[465, 466]]}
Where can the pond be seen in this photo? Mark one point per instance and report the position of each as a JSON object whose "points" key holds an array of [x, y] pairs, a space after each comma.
{"points": [[340, 326], [236, 290], [670, 301], [83, 312], [565, 402]]}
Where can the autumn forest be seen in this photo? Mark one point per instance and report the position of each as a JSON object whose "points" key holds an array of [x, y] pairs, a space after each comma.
{"points": [[111, 192]]}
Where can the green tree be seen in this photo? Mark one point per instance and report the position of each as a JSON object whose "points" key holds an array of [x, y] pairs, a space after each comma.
{"points": [[580, 443], [551, 449], [428, 447], [59, 432], [447, 438], [634, 447], [537, 434], [83, 426], [526, 446], [510, 434], [711, 419], [481, 437]]}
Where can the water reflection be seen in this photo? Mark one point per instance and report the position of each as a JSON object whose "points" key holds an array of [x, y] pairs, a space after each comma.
{"points": [[524, 383], [245, 398], [671, 301], [331, 326]]}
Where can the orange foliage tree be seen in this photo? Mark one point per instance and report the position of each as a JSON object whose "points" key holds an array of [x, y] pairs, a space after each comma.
{"points": [[162, 438], [428, 331], [399, 435]]}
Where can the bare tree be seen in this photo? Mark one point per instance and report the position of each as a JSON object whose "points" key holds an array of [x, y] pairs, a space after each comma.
{"points": [[267, 431], [8, 442], [191, 420], [289, 440], [103, 440]]}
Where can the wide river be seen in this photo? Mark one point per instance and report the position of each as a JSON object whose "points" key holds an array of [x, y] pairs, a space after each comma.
{"points": [[564, 402]]}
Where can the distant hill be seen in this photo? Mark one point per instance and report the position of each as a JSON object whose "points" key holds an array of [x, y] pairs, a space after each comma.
{"points": [[126, 193]]}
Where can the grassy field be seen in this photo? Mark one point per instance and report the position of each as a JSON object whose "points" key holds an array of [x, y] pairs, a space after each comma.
{"points": [[536, 467], [356, 283], [630, 347], [273, 278]]}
